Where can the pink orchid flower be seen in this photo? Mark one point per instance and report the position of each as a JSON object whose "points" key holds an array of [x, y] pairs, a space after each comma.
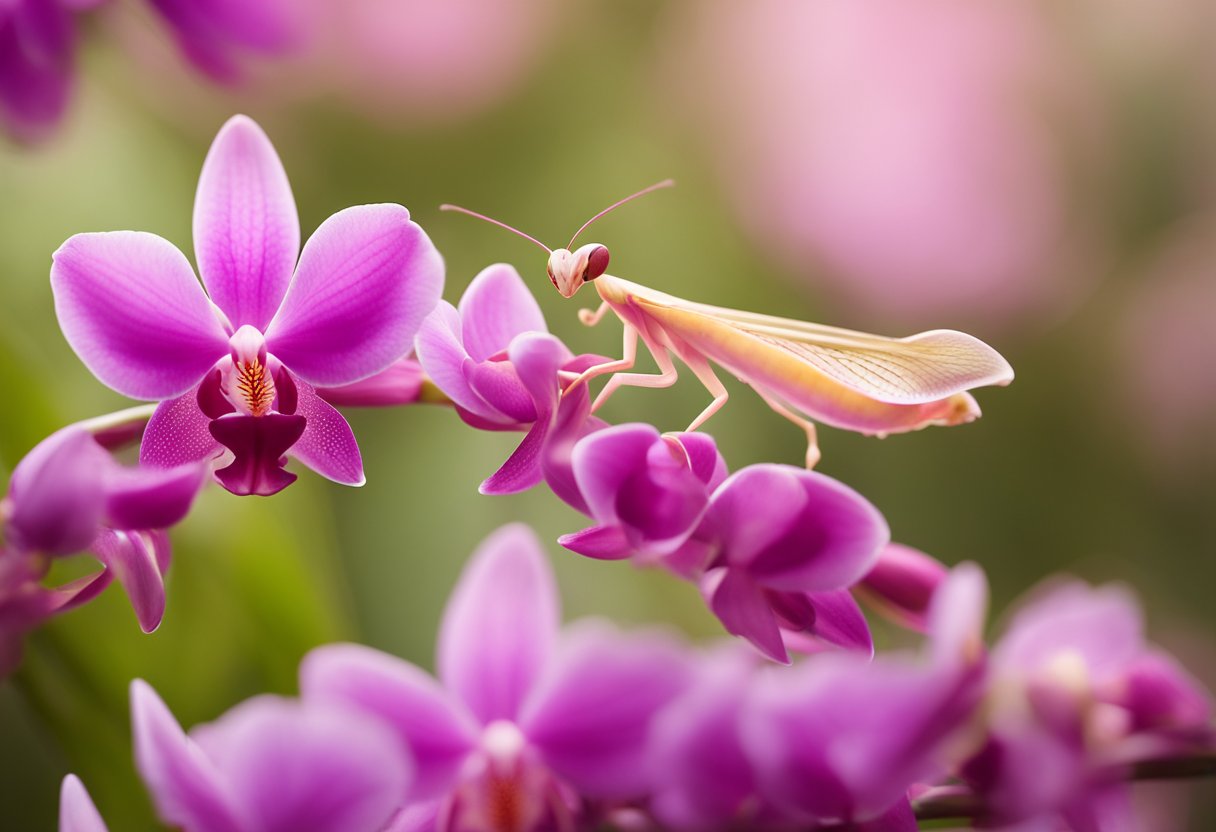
{"points": [[236, 366]]}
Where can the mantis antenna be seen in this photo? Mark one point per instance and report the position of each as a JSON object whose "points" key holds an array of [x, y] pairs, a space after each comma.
{"points": [[666, 183], [513, 230]]}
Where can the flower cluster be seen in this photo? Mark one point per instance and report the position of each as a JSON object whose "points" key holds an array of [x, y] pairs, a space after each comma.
{"points": [[534, 727], [69, 495], [243, 368], [38, 40]]}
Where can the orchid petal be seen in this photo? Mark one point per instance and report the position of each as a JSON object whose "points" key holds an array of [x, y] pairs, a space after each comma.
{"points": [[440, 349], [604, 462], [134, 562], [186, 787], [825, 537], [522, 470], [178, 434], [437, 732], [499, 625], [901, 584], [34, 90], [295, 765], [956, 615], [744, 611], [832, 616], [151, 498], [703, 780], [1104, 625], [590, 715], [367, 277], [537, 358], [497, 384], [327, 445], [57, 493], [131, 308], [258, 444], [76, 810], [703, 457], [495, 308], [599, 542], [400, 383], [246, 231]]}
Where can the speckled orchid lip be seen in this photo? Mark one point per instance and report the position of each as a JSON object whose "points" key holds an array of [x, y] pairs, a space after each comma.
{"points": [[270, 322]]}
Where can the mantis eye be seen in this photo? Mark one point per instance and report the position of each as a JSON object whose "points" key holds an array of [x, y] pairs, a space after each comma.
{"points": [[597, 263]]}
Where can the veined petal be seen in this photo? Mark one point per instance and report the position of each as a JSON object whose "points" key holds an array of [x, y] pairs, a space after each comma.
{"points": [[246, 230], [177, 434], [366, 279], [186, 788], [441, 352], [327, 445], [431, 725], [133, 560], [522, 470], [495, 308], [590, 715], [131, 308], [293, 765], [76, 810], [499, 625]]}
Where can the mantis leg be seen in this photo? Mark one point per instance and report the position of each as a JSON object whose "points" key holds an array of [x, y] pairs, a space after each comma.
{"points": [[705, 373], [812, 442], [629, 353], [665, 378], [590, 318]]}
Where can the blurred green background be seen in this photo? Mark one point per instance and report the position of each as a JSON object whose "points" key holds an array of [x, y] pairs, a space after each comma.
{"points": [[1061, 474]]}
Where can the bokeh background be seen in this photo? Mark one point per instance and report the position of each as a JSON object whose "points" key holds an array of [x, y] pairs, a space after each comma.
{"points": [[1042, 174]]}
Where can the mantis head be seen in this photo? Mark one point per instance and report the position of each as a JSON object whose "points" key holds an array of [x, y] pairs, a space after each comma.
{"points": [[569, 270]]}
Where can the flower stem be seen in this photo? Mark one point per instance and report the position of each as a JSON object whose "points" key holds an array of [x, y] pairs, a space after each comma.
{"points": [[953, 803], [120, 428]]}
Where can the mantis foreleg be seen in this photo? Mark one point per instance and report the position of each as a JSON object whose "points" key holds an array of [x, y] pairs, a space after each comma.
{"points": [[629, 353], [665, 378], [812, 442], [590, 318]]}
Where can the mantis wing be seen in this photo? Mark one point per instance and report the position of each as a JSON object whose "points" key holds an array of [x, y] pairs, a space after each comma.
{"points": [[923, 368]]}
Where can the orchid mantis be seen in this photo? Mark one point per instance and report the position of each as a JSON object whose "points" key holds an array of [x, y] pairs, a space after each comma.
{"points": [[805, 372]]}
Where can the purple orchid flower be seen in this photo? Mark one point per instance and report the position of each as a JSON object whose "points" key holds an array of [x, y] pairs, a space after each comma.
{"points": [[522, 717], [841, 739], [781, 546], [268, 765], [774, 548], [647, 492], [238, 368], [69, 495], [837, 740], [493, 357], [1079, 694]]}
